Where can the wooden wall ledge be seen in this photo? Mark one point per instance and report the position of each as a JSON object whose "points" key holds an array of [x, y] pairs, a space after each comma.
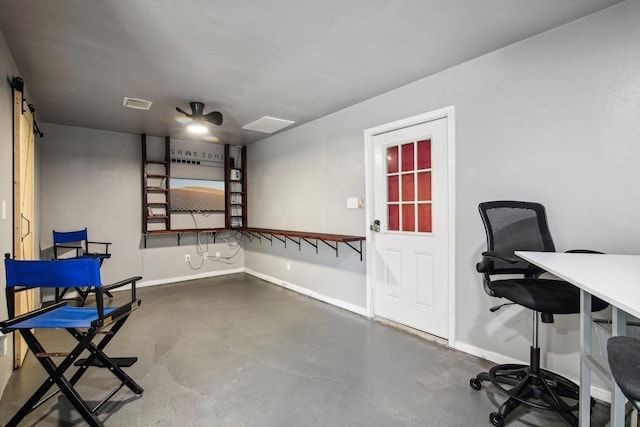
{"points": [[180, 232], [330, 240], [284, 236]]}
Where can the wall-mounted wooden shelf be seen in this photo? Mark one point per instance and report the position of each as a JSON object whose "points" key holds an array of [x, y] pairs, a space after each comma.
{"points": [[331, 240], [155, 189], [179, 233], [236, 186]]}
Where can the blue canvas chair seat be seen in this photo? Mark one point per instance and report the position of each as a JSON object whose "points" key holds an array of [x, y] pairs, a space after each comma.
{"points": [[75, 245], [83, 323], [63, 317]]}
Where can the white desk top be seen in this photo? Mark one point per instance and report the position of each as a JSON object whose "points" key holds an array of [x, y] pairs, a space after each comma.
{"points": [[612, 278]]}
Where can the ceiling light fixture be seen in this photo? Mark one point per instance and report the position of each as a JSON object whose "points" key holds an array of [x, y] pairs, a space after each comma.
{"points": [[197, 127]]}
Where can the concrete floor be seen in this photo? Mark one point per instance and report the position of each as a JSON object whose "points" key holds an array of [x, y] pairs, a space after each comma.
{"points": [[237, 351]]}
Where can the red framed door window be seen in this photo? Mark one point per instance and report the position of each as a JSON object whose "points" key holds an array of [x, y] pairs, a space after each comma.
{"points": [[409, 192]]}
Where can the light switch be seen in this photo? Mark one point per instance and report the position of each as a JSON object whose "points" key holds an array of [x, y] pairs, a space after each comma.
{"points": [[4, 209], [354, 203]]}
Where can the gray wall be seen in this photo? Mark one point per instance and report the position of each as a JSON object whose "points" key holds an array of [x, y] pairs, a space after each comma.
{"points": [[92, 178], [553, 119]]}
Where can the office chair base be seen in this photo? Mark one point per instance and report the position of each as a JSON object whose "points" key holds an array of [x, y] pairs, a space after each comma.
{"points": [[542, 390]]}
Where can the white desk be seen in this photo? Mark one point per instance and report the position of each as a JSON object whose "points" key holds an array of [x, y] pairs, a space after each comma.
{"points": [[612, 278]]}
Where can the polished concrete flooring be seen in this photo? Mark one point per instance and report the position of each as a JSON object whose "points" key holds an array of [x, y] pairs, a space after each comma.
{"points": [[237, 351]]}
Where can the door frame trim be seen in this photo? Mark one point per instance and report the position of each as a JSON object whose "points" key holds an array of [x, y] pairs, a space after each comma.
{"points": [[442, 113]]}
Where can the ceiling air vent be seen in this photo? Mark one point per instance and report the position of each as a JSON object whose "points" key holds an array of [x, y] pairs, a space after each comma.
{"points": [[268, 125], [136, 104]]}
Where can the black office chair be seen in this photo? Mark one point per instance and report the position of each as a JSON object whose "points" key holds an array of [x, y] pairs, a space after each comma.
{"points": [[521, 226], [624, 361]]}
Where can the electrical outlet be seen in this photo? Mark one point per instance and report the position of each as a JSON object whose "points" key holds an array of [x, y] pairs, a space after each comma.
{"points": [[288, 266], [217, 255], [187, 258], [205, 255]]}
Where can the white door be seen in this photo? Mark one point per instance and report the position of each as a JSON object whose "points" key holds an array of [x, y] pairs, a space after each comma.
{"points": [[409, 251]]}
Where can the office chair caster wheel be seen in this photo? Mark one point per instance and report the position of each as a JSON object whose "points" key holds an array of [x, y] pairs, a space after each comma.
{"points": [[475, 383], [497, 419]]}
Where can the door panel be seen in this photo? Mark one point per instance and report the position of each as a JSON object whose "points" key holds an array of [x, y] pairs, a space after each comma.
{"points": [[424, 275]]}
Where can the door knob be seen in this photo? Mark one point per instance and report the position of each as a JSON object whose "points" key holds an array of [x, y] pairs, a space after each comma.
{"points": [[375, 226]]}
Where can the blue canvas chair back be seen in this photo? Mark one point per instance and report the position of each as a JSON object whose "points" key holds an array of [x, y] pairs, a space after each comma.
{"points": [[53, 273], [69, 236]]}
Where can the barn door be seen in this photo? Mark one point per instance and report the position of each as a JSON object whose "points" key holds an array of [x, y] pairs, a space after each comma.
{"points": [[23, 202]]}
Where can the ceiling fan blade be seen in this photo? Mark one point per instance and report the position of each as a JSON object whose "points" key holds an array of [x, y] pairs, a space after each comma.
{"points": [[214, 118], [180, 110]]}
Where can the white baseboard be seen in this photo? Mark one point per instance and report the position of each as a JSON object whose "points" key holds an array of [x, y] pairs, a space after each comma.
{"points": [[304, 291], [596, 392], [164, 281], [157, 282]]}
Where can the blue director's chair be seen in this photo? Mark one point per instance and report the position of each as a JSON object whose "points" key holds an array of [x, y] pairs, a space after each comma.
{"points": [[74, 245], [83, 323]]}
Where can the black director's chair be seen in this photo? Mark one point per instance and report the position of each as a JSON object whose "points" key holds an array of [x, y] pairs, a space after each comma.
{"points": [[83, 323]]}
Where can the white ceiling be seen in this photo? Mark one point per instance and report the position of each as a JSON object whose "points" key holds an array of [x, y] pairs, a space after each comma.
{"points": [[291, 59]]}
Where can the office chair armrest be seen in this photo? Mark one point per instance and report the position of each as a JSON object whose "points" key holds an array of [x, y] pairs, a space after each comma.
{"points": [[106, 246], [489, 256], [7, 324], [501, 256]]}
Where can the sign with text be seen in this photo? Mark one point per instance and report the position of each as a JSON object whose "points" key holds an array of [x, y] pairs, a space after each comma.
{"points": [[196, 160]]}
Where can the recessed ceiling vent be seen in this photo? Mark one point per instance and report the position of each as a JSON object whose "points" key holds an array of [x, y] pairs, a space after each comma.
{"points": [[136, 104], [268, 125]]}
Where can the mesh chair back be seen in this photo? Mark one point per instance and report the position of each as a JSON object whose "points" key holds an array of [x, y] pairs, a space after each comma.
{"points": [[69, 236], [53, 273], [515, 226]]}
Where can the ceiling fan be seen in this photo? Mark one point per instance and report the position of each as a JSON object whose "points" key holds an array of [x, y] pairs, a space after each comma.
{"points": [[199, 118]]}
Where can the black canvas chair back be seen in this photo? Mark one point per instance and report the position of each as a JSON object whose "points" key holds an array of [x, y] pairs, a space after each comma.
{"points": [[522, 226], [83, 323], [515, 226], [624, 360], [75, 245]]}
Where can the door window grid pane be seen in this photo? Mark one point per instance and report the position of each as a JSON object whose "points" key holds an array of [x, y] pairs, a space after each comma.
{"points": [[408, 187], [407, 157], [393, 188], [392, 159], [408, 217], [424, 186], [423, 154], [425, 220], [394, 217]]}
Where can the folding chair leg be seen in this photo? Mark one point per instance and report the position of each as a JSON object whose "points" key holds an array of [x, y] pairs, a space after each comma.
{"points": [[60, 294], [66, 386], [56, 377], [83, 295], [98, 353]]}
